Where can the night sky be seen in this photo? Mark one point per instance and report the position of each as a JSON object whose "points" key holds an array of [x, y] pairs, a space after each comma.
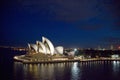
{"points": [[68, 23]]}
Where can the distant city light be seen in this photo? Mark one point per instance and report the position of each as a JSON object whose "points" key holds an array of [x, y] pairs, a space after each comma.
{"points": [[75, 49], [115, 56], [119, 47]]}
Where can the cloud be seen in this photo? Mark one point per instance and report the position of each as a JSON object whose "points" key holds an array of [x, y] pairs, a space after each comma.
{"points": [[85, 14], [64, 10], [116, 26], [91, 24], [112, 40]]}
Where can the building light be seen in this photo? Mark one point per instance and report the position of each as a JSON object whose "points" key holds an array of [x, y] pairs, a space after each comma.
{"points": [[119, 47], [115, 56], [75, 49]]}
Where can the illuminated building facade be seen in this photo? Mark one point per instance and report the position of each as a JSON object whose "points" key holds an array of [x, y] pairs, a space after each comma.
{"points": [[45, 47]]}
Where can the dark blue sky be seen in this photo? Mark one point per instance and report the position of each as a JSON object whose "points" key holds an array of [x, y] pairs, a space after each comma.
{"points": [[69, 23]]}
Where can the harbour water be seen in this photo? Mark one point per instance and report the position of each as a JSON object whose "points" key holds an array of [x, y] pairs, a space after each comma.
{"points": [[98, 70]]}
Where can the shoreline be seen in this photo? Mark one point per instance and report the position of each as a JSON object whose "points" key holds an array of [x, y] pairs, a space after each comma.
{"points": [[63, 61]]}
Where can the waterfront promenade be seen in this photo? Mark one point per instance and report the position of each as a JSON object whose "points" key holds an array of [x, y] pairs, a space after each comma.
{"points": [[99, 59], [16, 58]]}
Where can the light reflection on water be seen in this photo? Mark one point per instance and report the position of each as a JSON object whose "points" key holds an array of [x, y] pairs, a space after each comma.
{"points": [[68, 71], [116, 67], [43, 71], [75, 71]]}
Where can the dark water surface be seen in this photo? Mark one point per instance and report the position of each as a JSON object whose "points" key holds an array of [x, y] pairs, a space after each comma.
{"points": [[11, 70]]}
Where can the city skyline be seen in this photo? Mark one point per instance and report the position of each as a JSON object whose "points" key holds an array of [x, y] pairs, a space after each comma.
{"points": [[69, 23]]}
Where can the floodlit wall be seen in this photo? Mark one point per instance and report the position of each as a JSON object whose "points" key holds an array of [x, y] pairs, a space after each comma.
{"points": [[59, 50], [49, 46], [33, 47], [41, 47], [45, 47]]}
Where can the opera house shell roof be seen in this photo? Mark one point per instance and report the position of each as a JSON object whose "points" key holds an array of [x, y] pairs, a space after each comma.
{"points": [[45, 47]]}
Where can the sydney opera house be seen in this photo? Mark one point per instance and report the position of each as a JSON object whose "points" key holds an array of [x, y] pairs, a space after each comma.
{"points": [[43, 52], [44, 47]]}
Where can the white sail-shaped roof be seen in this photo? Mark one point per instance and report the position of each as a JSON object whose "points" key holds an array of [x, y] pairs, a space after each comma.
{"points": [[29, 46], [59, 50], [48, 50], [33, 47], [49, 46], [41, 47], [45, 47]]}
